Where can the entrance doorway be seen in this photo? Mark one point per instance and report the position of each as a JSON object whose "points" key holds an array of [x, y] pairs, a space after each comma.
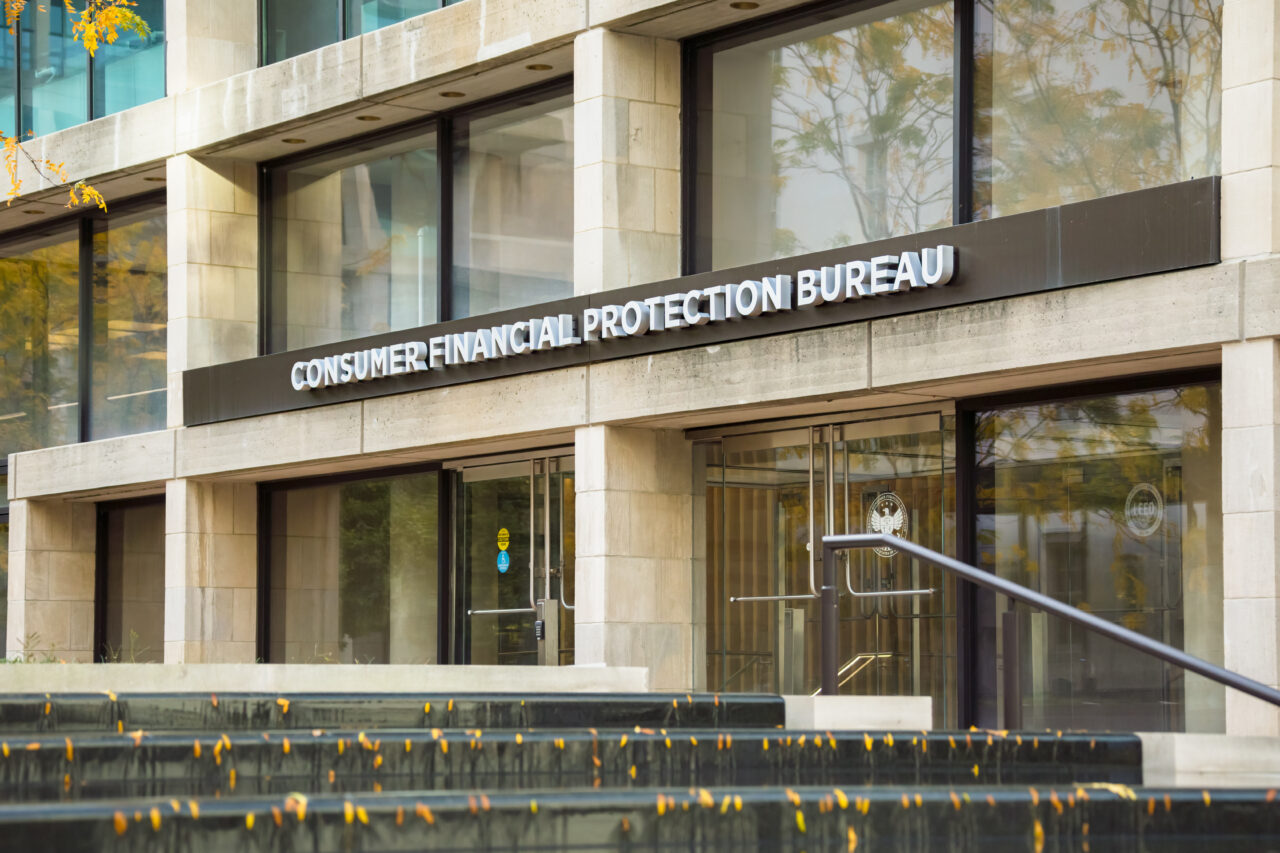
{"points": [[513, 561], [770, 498]]}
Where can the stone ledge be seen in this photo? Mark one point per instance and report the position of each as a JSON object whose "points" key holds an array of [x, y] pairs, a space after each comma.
{"points": [[323, 678]]}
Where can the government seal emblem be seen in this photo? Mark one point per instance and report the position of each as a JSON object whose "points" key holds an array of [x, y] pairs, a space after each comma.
{"points": [[887, 514]]}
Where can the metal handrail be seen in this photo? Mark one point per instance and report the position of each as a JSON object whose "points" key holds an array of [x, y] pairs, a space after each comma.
{"points": [[1015, 591]]}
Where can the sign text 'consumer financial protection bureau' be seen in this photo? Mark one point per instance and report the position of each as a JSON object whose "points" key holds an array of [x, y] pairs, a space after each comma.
{"points": [[886, 275]]}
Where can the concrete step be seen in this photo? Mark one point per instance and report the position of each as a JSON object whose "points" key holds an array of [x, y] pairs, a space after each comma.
{"points": [[81, 767], [1075, 818], [231, 712]]}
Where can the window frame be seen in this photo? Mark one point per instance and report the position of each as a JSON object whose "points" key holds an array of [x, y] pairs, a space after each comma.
{"points": [[84, 223], [272, 305]]}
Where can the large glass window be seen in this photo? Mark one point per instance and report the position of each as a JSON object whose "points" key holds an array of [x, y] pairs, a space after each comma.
{"points": [[356, 234], [353, 571], [43, 287], [827, 135], [291, 27], [354, 243], [825, 130], [1111, 504], [1078, 99], [54, 70], [130, 318], [40, 341], [58, 85], [131, 71], [131, 556], [513, 208]]}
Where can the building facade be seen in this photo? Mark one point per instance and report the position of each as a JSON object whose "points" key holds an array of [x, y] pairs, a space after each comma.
{"points": [[549, 333]]}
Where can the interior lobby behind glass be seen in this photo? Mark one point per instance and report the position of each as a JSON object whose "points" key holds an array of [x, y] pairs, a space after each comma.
{"points": [[513, 208], [353, 568], [827, 136], [769, 498], [1111, 504], [354, 242]]}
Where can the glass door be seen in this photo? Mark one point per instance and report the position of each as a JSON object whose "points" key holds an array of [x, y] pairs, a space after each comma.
{"points": [[771, 497], [513, 562]]}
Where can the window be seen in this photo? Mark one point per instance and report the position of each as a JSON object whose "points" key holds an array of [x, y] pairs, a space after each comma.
{"points": [[130, 594], [353, 571], [1076, 100], [1110, 503], [291, 27], [826, 135], [846, 124], [83, 317], [51, 83], [361, 236]]}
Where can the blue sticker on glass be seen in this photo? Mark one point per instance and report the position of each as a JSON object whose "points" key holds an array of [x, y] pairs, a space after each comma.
{"points": [[504, 562]]}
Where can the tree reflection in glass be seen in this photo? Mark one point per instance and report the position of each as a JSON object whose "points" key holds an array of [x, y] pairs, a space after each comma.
{"points": [[1077, 99], [39, 342], [832, 135], [1111, 504]]}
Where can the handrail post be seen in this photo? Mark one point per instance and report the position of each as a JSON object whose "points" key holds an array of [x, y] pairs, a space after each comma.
{"points": [[830, 605]]}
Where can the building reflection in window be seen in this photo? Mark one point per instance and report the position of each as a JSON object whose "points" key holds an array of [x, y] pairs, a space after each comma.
{"points": [[1076, 99], [353, 571], [40, 342], [55, 70], [354, 243], [1111, 504], [827, 136], [130, 318], [513, 208]]}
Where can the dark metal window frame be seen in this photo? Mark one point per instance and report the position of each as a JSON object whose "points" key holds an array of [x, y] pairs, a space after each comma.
{"points": [[100, 570], [89, 103], [84, 224], [444, 548], [976, 615], [696, 82], [272, 304]]}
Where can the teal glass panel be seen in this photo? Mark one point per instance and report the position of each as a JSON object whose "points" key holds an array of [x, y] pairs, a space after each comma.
{"points": [[131, 71], [292, 27], [54, 72]]}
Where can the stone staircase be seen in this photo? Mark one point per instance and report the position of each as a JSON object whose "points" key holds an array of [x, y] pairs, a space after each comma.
{"points": [[319, 772]]}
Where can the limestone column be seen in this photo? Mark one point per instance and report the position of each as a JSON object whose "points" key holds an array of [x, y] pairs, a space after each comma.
{"points": [[211, 572], [51, 580], [207, 42], [626, 149], [1250, 128], [635, 591], [213, 266], [1251, 527]]}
